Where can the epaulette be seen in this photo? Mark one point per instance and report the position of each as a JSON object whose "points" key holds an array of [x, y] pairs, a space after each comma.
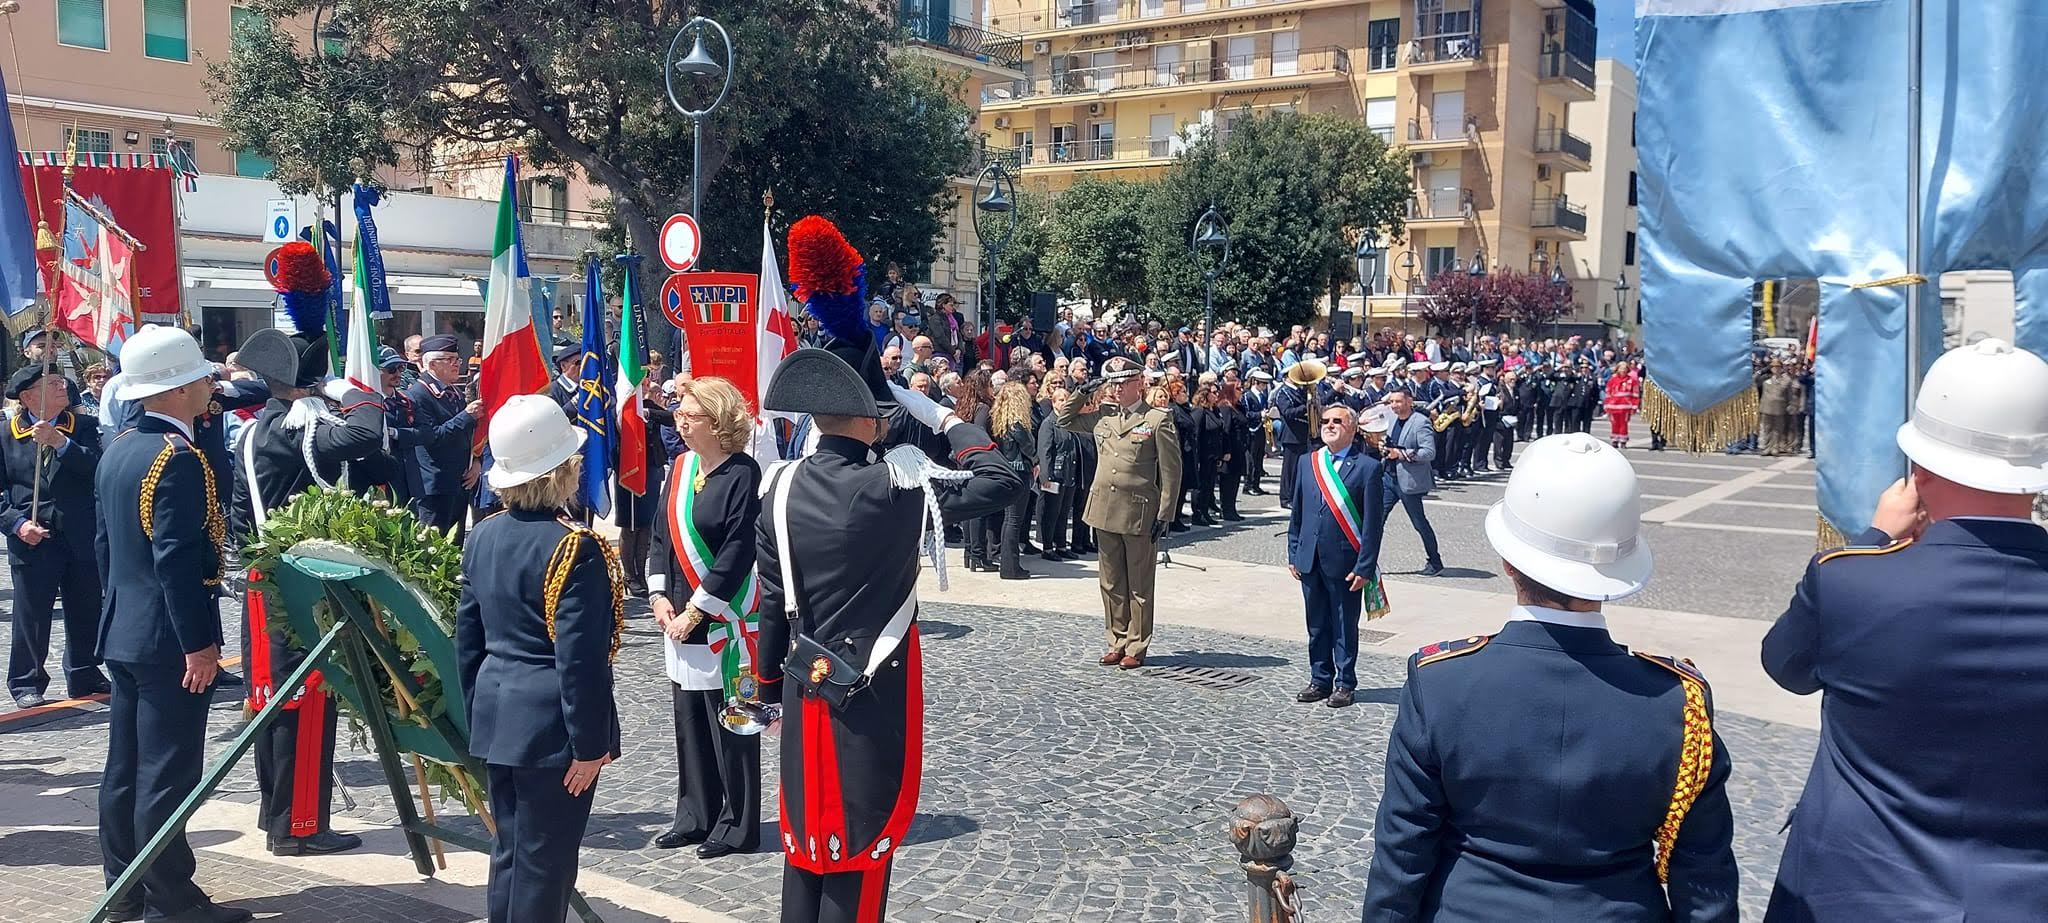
{"points": [[1854, 550], [1445, 650], [1679, 665], [555, 578]]}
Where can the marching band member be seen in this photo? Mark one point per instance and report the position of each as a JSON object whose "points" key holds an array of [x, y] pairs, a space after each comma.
{"points": [[703, 552], [297, 441], [840, 536], [539, 621]]}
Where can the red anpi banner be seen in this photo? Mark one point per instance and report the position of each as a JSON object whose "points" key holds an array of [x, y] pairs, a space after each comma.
{"points": [[140, 200], [717, 313]]}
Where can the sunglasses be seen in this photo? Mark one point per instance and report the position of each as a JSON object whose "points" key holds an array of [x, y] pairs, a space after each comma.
{"points": [[1334, 421]]}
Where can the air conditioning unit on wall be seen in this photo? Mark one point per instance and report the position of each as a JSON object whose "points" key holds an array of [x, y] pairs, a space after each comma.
{"points": [[1542, 171], [1041, 47], [1094, 108], [1002, 121], [1424, 160]]}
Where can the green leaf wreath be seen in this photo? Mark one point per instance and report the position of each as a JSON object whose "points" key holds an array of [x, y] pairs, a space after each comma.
{"points": [[387, 535]]}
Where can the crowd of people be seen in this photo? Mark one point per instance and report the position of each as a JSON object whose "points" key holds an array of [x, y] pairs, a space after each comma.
{"points": [[785, 590]]}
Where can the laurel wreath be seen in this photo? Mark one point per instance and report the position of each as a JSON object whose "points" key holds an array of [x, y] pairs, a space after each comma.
{"points": [[335, 523]]}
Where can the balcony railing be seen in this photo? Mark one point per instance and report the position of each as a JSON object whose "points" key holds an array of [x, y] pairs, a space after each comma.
{"points": [[1553, 64], [1067, 14], [1443, 130], [1125, 76], [1558, 213], [1559, 141], [985, 154], [1099, 150], [1440, 49], [960, 36], [1439, 202]]}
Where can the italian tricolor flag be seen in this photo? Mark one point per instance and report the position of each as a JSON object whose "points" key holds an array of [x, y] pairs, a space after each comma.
{"points": [[632, 424], [512, 359], [360, 362]]}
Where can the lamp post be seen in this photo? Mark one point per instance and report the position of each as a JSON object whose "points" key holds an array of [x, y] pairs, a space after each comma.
{"points": [[995, 221], [1406, 268], [1478, 269], [1557, 281], [698, 64], [1621, 288], [1212, 236], [1367, 258]]}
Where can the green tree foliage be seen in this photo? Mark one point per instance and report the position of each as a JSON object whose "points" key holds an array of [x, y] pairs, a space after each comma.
{"points": [[1288, 186], [320, 119], [1021, 267], [1097, 244], [821, 110]]}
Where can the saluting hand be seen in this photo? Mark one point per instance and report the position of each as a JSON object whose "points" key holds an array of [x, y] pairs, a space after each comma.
{"points": [[201, 667], [1899, 512]]}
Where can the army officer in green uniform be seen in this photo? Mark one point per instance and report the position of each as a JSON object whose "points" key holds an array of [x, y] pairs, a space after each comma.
{"points": [[1139, 462]]}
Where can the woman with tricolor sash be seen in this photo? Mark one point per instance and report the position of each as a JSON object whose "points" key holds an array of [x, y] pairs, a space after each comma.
{"points": [[703, 554]]}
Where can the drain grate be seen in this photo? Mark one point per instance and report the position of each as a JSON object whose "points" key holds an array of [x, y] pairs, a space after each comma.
{"points": [[1204, 677], [1374, 636]]}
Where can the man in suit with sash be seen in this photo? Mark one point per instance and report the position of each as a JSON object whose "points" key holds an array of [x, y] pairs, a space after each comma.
{"points": [[1333, 548]]}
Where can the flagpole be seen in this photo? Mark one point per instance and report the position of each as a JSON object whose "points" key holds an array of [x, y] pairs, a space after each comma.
{"points": [[1914, 209]]}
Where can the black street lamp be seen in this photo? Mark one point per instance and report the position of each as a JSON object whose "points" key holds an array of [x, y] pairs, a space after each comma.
{"points": [[1211, 236], [1367, 257], [1621, 288], [995, 221], [1478, 269], [698, 65]]}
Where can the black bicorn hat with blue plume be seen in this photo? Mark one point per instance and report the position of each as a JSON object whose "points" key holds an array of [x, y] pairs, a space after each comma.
{"points": [[830, 278]]}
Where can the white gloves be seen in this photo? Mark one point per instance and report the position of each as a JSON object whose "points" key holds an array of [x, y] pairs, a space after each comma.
{"points": [[927, 411], [337, 389]]}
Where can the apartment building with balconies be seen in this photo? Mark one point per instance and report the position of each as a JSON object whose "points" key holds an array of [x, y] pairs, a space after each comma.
{"points": [[1608, 191], [1479, 93]]}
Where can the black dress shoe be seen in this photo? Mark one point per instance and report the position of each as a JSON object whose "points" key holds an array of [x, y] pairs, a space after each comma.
{"points": [[714, 849], [1432, 569], [1312, 693], [29, 698], [100, 688], [1340, 698], [127, 911], [676, 839], [1018, 574], [1232, 517], [209, 912], [319, 844], [1177, 526], [1028, 548], [228, 680]]}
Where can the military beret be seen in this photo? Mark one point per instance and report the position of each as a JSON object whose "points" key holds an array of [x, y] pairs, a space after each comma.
{"points": [[441, 343], [29, 375]]}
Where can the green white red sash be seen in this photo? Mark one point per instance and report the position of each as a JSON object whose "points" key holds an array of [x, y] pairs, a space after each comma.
{"points": [[743, 610], [1337, 497]]}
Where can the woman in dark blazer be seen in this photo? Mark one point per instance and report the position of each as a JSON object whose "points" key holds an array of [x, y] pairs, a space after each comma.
{"points": [[701, 588], [1057, 482], [1189, 427], [976, 396], [1229, 418], [1018, 442], [536, 627]]}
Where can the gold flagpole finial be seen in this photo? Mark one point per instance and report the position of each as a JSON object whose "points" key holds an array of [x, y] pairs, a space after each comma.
{"points": [[767, 204]]}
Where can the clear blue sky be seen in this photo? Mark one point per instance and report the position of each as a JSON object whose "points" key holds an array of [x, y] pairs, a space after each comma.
{"points": [[1617, 30]]}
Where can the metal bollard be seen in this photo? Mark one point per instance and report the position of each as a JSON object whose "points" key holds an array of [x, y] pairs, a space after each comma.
{"points": [[1263, 829]]}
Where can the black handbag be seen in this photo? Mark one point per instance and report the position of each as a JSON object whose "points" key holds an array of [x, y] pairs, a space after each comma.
{"points": [[823, 673]]}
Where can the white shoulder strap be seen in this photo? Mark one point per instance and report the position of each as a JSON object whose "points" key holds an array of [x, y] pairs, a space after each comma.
{"points": [[776, 487], [258, 514]]}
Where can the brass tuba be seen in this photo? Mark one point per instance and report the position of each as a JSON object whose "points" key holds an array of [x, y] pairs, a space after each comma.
{"points": [[1308, 375]]}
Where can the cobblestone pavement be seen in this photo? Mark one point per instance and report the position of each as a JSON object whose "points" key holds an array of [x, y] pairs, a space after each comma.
{"points": [[1054, 789], [1738, 555]]}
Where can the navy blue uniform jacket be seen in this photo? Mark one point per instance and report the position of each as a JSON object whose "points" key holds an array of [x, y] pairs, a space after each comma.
{"points": [[67, 480], [538, 688], [446, 433], [159, 547], [1315, 542], [1527, 779], [1928, 797]]}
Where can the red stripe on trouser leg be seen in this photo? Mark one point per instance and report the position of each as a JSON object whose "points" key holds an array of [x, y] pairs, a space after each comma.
{"points": [[257, 657], [831, 795], [913, 740], [306, 763], [874, 885]]}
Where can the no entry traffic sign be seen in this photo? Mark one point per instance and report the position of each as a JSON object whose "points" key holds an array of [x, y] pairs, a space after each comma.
{"points": [[680, 242]]}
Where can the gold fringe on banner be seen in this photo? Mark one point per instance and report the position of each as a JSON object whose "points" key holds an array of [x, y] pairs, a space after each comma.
{"points": [[1699, 433], [1826, 537]]}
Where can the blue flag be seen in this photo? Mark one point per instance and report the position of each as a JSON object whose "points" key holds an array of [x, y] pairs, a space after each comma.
{"points": [[379, 300], [594, 401], [1799, 170], [17, 228]]}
